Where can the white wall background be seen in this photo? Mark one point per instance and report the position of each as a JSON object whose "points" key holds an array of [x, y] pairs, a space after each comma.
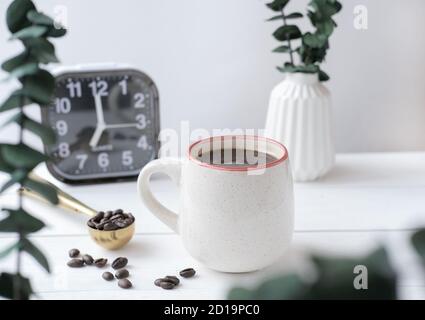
{"points": [[212, 62]]}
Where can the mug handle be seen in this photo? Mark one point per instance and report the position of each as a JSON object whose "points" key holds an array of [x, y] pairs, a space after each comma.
{"points": [[172, 168]]}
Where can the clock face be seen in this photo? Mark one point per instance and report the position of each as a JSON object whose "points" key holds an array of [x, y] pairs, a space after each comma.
{"points": [[106, 125]]}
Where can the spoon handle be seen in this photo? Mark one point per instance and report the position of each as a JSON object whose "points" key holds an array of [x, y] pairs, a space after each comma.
{"points": [[66, 201]]}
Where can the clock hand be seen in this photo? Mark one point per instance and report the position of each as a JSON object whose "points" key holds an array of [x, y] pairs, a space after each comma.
{"points": [[97, 135], [120, 125], [100, 127], [99, 109]]}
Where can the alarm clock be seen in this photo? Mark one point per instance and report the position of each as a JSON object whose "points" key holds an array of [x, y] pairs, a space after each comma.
{"points": [[106, 121]]}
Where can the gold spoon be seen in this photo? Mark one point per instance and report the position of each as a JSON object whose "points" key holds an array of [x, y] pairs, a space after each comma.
{"points": [[110, 240]]}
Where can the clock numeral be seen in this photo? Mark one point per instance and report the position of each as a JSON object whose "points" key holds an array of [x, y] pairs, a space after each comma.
{"points": [[103, 160], [123, 85], [139, 100], [141, 121], [63, 150], [62, 127], [74, 89], [143, 143], [99, 88], [127, 158], [82, 158], [63, 105]]}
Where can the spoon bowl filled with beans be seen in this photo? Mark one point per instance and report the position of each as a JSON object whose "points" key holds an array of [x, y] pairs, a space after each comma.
{"points": [[111, 229]]}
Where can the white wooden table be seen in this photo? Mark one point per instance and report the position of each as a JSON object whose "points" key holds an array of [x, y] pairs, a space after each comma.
{"points": [[367, 200]]}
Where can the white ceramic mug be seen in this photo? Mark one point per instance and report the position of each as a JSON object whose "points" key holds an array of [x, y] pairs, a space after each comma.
{"points": [[232, 219]]}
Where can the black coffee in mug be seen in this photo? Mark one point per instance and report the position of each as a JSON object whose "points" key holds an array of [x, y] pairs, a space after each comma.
{"points": [[235, 157]]}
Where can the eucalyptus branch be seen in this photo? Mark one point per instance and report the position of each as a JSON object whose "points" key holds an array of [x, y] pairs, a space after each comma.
{"points": [[314, 46], [33, 29], [291, 55]]}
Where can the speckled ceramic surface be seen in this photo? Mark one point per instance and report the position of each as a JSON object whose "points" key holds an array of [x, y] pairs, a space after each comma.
{"points": [[230, 220]]}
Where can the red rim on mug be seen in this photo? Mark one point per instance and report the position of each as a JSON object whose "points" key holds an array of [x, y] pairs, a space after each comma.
{"points": [[278, 145]]}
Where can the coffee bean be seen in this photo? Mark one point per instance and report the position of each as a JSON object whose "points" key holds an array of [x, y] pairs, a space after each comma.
{"points": [[75, 263], [98, 216], [167, 285], [88, 259], [115, 216], [119, 263], [158, 282], [107, 276], [73, 253], [103, 220], [119, 211], [110, 226], [122, 273], [172, 279], [187, 273], [120, 223], [125, 284], [100, 263], [107, 215], [91, 224]]}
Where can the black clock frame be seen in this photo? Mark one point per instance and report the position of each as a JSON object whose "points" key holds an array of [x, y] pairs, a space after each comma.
{"points": [[94, 73]]}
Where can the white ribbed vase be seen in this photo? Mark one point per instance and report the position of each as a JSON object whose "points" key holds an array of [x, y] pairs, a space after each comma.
{"points": [[300, 117]]}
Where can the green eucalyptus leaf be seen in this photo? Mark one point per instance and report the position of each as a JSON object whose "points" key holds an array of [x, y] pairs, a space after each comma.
{"points": [[325, 9], [46, 191], [418, 242], [24, 70], [21, 156], [311, 68], [4, 166], [17, 176], [325, 28], [286, 287], [20, 221], [45, 133], [31, 249], [277, 5], [54, 32], [238, 293], [39, 87], [314, 40], [30, 32], [9, 281], [335, 280], [278, 17], [336, 276], [16, 99], [17, 61], [323, 76], [4, 253], [42, 50], [37, 17], [282, 49], [16, 15], [294, 15], [288, 32]]}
